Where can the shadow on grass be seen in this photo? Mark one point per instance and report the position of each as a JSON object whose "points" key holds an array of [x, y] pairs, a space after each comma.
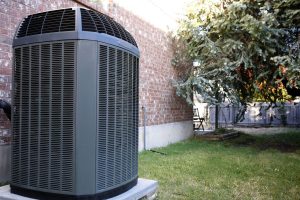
{"points": [[285, 142]]}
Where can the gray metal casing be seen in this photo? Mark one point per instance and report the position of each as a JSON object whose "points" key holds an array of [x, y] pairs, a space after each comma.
{"points": [[93, 52]]}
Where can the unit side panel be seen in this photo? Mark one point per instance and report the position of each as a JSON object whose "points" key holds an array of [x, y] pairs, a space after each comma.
{"points": [[117, 116], [43, 118]]}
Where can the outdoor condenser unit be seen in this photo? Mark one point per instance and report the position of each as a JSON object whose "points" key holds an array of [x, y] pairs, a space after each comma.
{"points": [[75, 106]]}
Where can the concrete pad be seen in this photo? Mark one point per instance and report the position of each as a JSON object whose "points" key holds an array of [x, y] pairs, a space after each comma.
{"points": [[144, 189], [6, 195]]}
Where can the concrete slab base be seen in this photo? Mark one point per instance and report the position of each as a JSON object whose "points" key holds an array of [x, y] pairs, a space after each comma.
{"points": [[145, 189]]}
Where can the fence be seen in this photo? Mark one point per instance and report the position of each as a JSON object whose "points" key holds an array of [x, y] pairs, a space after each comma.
{"points": [[257, 114]]}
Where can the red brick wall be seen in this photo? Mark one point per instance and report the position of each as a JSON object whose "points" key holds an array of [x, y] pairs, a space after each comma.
{"points": [[156, 91]]}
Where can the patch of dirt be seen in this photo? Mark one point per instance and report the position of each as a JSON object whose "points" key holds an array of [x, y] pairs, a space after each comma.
{"points": [[285, 148], [221, 134], [263, 144], [266, 130], [280, 138]]}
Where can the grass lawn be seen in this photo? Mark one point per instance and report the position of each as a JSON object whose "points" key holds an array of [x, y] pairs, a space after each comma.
{"points": [[248, 167]]}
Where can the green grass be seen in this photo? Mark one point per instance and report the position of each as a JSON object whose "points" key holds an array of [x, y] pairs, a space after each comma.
{"points": [[248, 167]]}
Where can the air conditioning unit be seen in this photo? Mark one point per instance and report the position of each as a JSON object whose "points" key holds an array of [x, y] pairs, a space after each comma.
{"points": [[75, 106]]}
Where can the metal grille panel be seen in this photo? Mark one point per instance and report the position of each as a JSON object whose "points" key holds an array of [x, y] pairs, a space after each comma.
{"points": [[43, 121], [97, 22], [64, 20], [117, 118], [47, 22]]}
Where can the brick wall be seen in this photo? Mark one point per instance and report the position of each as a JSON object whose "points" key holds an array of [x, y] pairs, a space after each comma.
{"points": [[156, 91]]}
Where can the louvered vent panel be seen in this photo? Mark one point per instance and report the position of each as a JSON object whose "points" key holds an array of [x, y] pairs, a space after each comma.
{"points": [[131, 39], [43, 121], [118, 110], [108, 25], [56, 117], [45, 117], [102, 119], [67, 112], [111, 113], [130, 115], [48, 22], [87, 21], [34, 117], [25, 128], [23, 27], [36, 24], [68, 21], [97, 22], [52, 21], [64, 20], [98, 19], [117, 117], [136, 116], [16, 163], [125, 127], [115, 26]]}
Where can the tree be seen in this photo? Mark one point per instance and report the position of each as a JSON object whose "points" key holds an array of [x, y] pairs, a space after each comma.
{"points": [[244, 48]]}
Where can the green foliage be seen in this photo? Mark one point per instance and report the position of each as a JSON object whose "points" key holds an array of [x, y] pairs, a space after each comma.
{"points": [[244, 49]]}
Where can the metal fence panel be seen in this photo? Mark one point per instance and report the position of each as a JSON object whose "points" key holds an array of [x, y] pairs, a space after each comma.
{"points": [[257, 114]]}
